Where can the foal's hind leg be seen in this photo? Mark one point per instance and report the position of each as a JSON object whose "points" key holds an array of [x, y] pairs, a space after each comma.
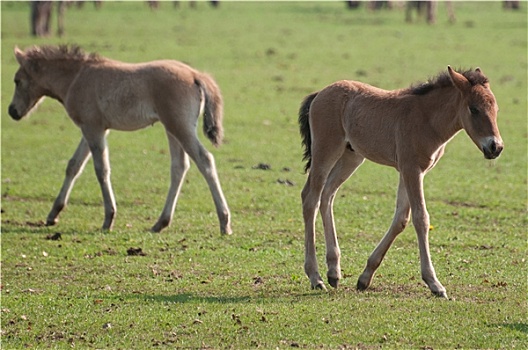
{"points": [[344, 168], [206, 164], [73, 170], [400, 221], [323, 161], [179, 166], [310, 203]]}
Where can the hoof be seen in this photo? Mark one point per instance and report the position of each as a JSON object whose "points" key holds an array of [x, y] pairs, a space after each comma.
{"points": [[226, 231], [361, 285], [160, 225], [441, 294], [51, 222], [334, 282], [319, 286]]}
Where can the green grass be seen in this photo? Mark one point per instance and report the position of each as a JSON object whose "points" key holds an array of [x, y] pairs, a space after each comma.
{"points": [[197, 289]]}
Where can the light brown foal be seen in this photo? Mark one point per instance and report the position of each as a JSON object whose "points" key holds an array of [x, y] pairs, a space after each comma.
{"points": [[100, 94], [349, 121]]}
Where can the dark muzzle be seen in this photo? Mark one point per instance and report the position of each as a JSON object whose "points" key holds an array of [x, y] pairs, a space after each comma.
{"points": [[493, 149], [14, 113]]}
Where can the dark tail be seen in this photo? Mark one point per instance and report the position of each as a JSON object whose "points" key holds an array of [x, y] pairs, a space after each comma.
{"points": [[304, 126], [213, 108]]}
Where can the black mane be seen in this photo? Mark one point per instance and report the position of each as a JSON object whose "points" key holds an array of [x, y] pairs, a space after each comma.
{"points": [[444, 80]]}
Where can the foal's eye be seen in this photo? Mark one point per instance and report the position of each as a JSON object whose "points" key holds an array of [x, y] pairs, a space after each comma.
{"points": [[474, 110]]}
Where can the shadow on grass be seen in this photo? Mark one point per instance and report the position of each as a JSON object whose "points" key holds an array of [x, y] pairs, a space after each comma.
{"points": [[12, 226], [287, 295], [190, 298], [40, 228], [520, 327]]}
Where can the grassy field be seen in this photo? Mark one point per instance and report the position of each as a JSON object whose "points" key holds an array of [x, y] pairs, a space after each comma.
{"points": [[194, 288]]}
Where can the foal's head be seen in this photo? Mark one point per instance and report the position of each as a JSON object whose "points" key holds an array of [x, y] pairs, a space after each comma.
{"points": [[35, 73], [479, 113], [27, 92]]}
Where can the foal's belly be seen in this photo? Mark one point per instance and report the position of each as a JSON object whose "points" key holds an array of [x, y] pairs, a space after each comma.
{"points": [[381, 156], [127, 106], [381, 150], [132, 117]]}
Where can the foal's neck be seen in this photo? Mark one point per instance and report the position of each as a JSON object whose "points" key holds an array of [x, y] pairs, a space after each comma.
{"points": [[444, 105], [59, 76]]}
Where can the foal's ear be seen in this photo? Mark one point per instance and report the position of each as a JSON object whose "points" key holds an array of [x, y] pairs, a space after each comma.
{"points": [[20, 56], [459, 80], [29, 65]]}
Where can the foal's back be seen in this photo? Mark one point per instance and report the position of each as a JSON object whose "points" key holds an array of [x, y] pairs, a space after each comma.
{"points": [[132, 96], [370, 119]]}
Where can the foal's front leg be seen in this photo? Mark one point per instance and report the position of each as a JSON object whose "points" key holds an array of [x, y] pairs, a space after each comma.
{"points": [[97, 141], [73, 170], [420, 218]]}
